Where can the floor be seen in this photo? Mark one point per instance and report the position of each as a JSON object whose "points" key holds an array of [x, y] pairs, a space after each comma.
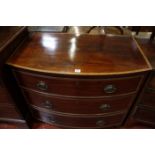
{"points": [[41, 125], [134, 125]]}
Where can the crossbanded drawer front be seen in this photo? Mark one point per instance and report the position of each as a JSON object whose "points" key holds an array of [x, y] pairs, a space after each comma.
{"points": [[144, 115], [78, 106], [78, 87], [78, 122]]}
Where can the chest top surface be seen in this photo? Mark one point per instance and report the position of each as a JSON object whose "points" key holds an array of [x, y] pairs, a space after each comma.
{"points": [[83, 55]]}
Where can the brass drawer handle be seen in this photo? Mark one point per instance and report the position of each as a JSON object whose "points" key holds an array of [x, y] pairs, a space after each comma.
{"points": [[42, 85], [51, 119], [109, 89], [105, 107], [100, 123], [47, 104]]}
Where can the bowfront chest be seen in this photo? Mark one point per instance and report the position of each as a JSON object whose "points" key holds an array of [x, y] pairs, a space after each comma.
{"points": [[86, 81]]}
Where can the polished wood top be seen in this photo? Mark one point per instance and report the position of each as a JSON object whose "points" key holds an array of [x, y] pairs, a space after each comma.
{"points": [[83, 55], [148, 48]]}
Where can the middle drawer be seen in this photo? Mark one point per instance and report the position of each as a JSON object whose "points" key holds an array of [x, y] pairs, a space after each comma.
{"points": [[78, 105]]}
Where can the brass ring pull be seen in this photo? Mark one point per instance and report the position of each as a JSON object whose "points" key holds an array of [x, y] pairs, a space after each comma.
{"points": [[51, 119], [47, 104], [100, 123], [42, 85], [105, 107], [109, 89]]}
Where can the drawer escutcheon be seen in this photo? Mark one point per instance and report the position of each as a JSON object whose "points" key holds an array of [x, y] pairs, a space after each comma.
{"points": [[100, 123]]}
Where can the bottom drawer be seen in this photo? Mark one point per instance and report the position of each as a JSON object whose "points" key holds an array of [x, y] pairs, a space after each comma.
{"points": [[144, 115], [69, 121]]}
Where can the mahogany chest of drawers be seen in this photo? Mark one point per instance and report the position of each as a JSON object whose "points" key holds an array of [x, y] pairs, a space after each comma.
{"points": [[87, 81], [10, 38]]}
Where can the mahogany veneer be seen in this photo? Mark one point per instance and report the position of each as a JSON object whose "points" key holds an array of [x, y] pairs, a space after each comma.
{"points": [[92, 54], [77, 86], [86, 81], [69, 121], [77, 105]]}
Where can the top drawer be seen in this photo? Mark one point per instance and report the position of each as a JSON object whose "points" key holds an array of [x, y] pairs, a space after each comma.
{"points": [[78, 87]]}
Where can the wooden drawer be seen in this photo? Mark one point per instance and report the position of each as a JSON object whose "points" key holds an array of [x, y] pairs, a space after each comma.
{"points": [[148, 99], [78, 105], [69, 121], [78, 87], [144, 115]]}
